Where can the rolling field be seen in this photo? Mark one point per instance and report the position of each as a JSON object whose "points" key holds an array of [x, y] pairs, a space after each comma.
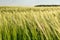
{"points": [[36, 23]]}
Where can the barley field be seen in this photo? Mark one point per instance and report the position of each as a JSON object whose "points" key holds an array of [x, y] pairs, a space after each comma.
{"points": [[25, 23]]}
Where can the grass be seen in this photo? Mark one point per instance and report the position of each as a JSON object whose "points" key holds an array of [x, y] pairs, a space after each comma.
{"points": [[19, 23]]}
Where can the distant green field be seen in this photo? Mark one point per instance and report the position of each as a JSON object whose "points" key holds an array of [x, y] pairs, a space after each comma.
{"points": [[22, 23]]}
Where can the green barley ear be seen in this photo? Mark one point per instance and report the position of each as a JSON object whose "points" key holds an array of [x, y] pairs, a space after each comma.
{"points": [[20, 23]]}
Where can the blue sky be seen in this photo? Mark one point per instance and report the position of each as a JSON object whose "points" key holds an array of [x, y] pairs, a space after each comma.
{"points": [[28, 2]]}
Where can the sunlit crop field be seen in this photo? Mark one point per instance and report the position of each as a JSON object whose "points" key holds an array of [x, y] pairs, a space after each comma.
{"points": [[21, 23]]}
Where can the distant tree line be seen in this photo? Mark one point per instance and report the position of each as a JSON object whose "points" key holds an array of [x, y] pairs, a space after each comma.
{"points": [[47, 5]]}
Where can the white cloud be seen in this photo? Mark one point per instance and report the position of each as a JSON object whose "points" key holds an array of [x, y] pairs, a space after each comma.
{"points": [[28, 2]]}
